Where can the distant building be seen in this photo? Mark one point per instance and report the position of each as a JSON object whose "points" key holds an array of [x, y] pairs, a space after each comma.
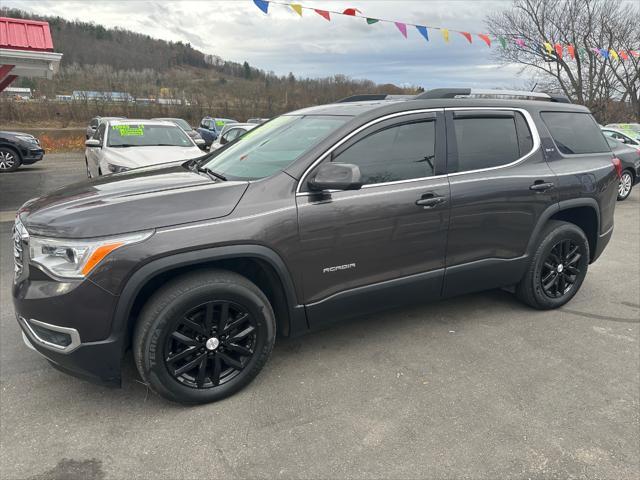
{"points": [[64, 98], [18, 92], [89, 95]]}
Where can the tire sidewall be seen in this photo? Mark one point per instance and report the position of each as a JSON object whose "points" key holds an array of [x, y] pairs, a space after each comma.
{"points": [[564, 232], [624, 197], [17, 160], [155, 369]]}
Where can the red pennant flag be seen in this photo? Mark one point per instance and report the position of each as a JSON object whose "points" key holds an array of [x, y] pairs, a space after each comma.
{"points": [[486, 39], [571, 51], [558, 48], [623, 55], [467, 35], [351, 11], [323, 13], [402, 27], [520, 42]]}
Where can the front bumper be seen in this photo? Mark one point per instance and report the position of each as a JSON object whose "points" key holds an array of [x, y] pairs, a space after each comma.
{"points": [[81, 311], [31, 155], [97, 362]]}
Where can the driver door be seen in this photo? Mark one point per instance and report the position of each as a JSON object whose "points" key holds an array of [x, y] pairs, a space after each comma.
{"points": [[383, 245]]}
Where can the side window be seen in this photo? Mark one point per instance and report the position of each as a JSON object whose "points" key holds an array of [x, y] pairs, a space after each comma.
{"points": [[94, 122], [575, 132], [232, 134], [400, 152], [490, 141], [99, 135]]}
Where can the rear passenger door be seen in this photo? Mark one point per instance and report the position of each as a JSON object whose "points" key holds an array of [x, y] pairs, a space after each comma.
{"points": [[500, 184], [382, 245]]}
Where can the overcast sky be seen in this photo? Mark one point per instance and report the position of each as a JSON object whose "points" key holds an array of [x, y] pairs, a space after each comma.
{"points": [[310, 46]]}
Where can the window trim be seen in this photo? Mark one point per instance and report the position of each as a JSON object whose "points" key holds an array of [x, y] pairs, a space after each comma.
{"points": [[527, 116], [348, 137], [532, 128]]}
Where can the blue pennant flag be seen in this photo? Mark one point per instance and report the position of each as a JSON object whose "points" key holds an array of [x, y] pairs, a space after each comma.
{"points": [[604, 52], [262, 5], [423, 31]]}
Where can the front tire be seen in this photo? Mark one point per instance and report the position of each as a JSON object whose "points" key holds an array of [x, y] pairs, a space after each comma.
{"points": [[204, 336], [9, 160], [625, 185], [558, 267]]}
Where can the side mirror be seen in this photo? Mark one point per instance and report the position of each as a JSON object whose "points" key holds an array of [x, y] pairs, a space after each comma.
{"points": [[199, 141], [336, 176], [93, 143]]}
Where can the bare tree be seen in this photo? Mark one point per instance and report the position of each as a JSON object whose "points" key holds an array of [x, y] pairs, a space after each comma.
{"points": [[573, 28]]}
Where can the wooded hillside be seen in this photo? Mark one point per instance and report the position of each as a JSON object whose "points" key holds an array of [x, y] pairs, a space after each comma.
{"points": [[98, 58]]}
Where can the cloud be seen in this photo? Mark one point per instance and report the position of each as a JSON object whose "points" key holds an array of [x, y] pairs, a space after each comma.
{"points": [[310, 46]]}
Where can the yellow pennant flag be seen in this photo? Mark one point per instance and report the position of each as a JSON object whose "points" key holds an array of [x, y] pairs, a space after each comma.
{"points": [[549, 48], [297, 8], [445, 34], [614, 54]]}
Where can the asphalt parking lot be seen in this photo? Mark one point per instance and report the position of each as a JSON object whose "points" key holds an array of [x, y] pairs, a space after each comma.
{"points": [[475, 387]]}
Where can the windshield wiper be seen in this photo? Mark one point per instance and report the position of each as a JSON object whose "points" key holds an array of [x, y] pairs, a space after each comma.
{"points": [[212, 174]]}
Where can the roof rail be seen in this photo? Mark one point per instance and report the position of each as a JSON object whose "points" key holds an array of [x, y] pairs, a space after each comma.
{"points": [[455, 92], [364, 97]]}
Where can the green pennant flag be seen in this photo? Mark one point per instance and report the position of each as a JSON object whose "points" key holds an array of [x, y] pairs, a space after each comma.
{"points": [[371, 21], [503, 42]]}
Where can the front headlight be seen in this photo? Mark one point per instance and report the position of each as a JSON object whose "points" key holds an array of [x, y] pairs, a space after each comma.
{"points": [[76, 258], [28, 138], [117, 168]]}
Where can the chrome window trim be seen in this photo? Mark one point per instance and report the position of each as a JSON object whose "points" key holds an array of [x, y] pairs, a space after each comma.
{"points": [[33, 336], [527, 116], [532, 128], [353, 134]]}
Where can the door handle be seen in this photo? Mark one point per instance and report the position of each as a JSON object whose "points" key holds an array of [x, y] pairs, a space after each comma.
{"points": [[540, 186], [429, 200]]}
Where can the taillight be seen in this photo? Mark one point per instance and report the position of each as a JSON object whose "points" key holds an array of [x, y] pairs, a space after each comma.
{"points": [[617, 164]]}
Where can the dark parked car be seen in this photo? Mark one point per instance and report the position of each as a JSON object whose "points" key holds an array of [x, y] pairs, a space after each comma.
{"points": [[17, 149], [316, 216], [183, 124], [210, 128], [630, 158]]}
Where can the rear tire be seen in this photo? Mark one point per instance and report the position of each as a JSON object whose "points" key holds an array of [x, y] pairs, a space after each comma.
{"points": [[625, 186], [204, 336], [558, 267], [9, 160]]}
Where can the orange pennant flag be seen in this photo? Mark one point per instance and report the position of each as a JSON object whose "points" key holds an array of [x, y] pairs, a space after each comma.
{"points": [[296, 8], [572, 51], [486, 39]]}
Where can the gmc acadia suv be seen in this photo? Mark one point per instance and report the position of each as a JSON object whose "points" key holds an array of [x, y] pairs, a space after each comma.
{"points": [[315, 216]]}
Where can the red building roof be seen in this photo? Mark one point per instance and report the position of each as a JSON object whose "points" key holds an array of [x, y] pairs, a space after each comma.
{"points": [[21, 34]]}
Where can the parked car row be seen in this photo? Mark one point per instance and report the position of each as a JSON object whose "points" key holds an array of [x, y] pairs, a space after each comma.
{"points": [[17, 148]]}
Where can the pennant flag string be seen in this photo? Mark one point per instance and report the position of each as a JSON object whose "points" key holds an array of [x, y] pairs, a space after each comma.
{"points": [[554, 50]]}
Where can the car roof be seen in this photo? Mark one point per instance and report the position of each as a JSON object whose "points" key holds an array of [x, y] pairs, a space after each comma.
{"points": [[132, 121], [234, 125], [383, 107]]}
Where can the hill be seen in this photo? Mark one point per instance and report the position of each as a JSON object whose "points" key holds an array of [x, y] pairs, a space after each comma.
{"points": [[104, 59]]}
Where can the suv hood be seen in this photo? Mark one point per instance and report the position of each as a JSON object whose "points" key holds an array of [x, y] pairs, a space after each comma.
{"points": [[133, 201]]}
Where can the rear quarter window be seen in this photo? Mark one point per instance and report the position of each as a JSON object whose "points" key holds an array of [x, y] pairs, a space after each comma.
{"points": [[575, 133]]}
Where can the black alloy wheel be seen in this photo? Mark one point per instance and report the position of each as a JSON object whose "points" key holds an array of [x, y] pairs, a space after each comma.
{"points": [[561, 269], [210, 344], [203, 336], [557, 268]]}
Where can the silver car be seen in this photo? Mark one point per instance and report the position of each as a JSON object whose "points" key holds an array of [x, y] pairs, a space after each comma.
{"points": [[230, 132], [121, 145]]}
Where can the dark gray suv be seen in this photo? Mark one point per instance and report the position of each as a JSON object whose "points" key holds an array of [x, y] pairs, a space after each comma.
{"points": [[313, 217]]}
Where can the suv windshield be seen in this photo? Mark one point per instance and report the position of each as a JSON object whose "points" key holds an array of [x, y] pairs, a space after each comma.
{"points": [[272, 146], [144, 135]]}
